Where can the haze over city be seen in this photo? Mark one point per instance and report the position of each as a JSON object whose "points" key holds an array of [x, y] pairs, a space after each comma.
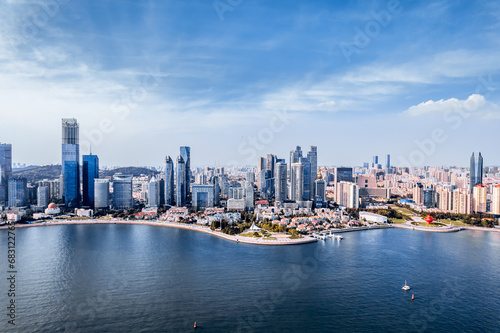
{"points": [[376, 78]]}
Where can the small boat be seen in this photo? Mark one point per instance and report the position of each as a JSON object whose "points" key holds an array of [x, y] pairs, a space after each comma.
{"points": [[412, 297], [195, 326], [406, 287], [339, 237]]}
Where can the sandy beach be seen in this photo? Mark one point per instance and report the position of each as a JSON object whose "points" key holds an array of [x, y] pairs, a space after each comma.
{"points": [[281, 239]]}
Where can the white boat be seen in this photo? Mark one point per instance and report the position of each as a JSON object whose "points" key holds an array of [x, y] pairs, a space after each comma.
{"points": [[339, 237], [406, 287]]}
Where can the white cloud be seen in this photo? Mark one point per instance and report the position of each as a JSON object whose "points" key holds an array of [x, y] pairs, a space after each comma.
{"points": [[475, 104]]}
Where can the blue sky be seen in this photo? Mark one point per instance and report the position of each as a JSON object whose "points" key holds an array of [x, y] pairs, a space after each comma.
{"points": [[238, 79]]}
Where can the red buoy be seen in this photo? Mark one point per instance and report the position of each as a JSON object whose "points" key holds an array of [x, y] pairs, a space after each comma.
{"points": [[195, 325], [412, 297]]}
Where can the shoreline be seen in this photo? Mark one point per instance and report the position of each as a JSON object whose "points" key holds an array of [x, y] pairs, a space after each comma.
{"points": [[247, 240], [194, 227]]}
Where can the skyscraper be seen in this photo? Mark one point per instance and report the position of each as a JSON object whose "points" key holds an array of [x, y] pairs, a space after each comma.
{"points": [[297, 182], [375, 161], [122, 191], [280, 181], [18, 192], [181, 182], [476, 172], [169, 182], [101, 193], [42, 196], [71, 184], [186, 156], [153, 193], [5, 172], [307, 186], [295, 156], [388, 162], [495, 200], [90, 171], [70, 153], [312, 156]]}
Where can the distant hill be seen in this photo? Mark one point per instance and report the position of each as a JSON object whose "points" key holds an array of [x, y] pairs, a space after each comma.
{"points": [[39, 173], [134, 171], [54, 171]]}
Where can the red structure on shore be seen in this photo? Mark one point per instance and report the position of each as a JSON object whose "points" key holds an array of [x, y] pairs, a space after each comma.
{"points": [[429, 219]]}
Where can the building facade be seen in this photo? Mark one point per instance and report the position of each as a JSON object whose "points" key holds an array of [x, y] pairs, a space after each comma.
{"points": [[122, 191], [5, 172], [90, 171]]}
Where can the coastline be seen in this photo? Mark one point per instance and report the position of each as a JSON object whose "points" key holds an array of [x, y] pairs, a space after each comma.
{"points": [[206, 230], [281, 240]]}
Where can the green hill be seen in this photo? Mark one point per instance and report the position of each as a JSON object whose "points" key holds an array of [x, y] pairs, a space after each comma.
{"points": [[134, 171], [40, 173]]}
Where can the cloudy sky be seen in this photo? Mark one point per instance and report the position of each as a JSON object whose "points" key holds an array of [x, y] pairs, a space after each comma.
{"points": [[236, 79]]}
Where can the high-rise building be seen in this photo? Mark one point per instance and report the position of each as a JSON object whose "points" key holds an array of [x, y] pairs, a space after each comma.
{"points": [[18, 192], [71, 184], [5, 172], [122, 191], [90, 171], [169, 182], [476, 172], [306, 194], [418, 194], [101, 193], [280, 181], [186, 156], [42, 196], [270, 163], [312, 156], [388, 162], [70, 153], [180, 198], [203, 196], [320, 188], [347, 194], [495, 200], [429, 198], [297, 182], [479, 198], [375, 161], [295, 156], [153, 193], [249, 203], [261, 174]]}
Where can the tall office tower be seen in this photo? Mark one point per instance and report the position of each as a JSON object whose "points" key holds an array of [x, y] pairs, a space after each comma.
{"points": [[101, 193], [180, 198], [429, 197], [250, 177], [341, 174], [42, 196], [169, 182], [18, 192], [5, 172], [476, 172], [270, 163], [479, 198], [186, 156], [388, 162], [122, 191], [71, 184], [297, 182], [153, 193], [90, 171], [418, 194], [215, 182], [249, 194], [495, 200], [295, 156], [312, 156], [70, 153], [280, 181], [203, 196], [306, 195], [320, 188], [261, 174], [161, 191], [347, 194], [375, 161]]}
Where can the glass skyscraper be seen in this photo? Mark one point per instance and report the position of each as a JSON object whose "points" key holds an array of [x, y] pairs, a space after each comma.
{"points": [[90, 172], [71, 184], [18, 192], [70, 152], [476, 171], [122, 191], [169, 182], [5, 172], [181, 182], [312, 156], [186, 156]]}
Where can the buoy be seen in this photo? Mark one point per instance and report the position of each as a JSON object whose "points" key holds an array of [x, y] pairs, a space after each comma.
{"points": [[412, 298], [195, 325]]}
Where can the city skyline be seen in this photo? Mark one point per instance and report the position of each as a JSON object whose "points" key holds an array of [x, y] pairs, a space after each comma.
{"points": [[374, 77]]}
